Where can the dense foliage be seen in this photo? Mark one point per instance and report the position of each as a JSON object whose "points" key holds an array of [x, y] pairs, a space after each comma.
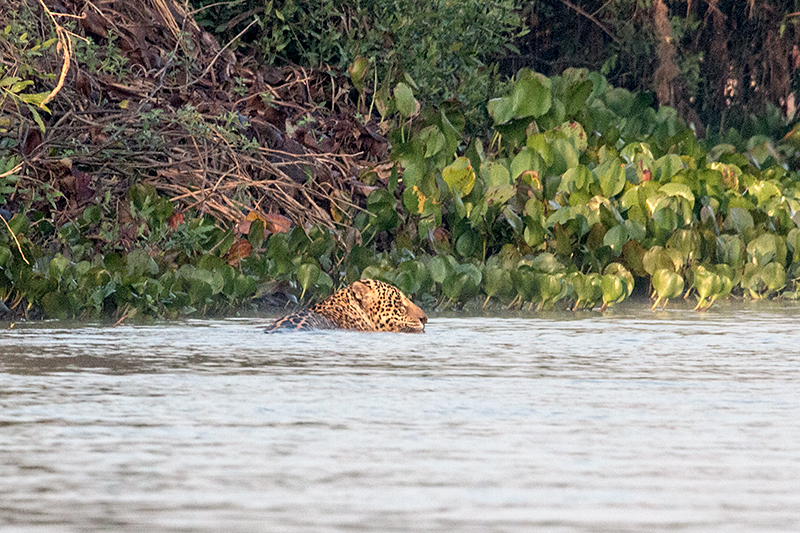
{"points": [[722, 65], [582, 191], [449, 48], [540, 191]]}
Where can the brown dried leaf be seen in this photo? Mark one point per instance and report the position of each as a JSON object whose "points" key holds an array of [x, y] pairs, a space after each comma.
{"points": [[175, 220], [276, 223], [243, 226], [240, 250]]}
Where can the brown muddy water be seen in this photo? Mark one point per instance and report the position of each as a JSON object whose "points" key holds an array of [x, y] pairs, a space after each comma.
{"points": [[629, 421]]}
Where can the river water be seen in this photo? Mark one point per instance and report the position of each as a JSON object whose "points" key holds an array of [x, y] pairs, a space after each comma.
{"points": [[627, 421]]}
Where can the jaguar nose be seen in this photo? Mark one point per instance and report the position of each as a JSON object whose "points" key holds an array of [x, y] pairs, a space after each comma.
{"points": [[423, 319]]}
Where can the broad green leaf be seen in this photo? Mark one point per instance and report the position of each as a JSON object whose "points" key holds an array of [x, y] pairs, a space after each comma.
{"points": [[687, 243], [763, 190], [576, 179], [406, 104], [440, 266], [539, 143], [739, 220], [792, 239], [774, 276], [534, 234], [667, 284], [547, 263], [494, 173], [500, 109], [636, 230], [358, 72], [469, 244], [678, 189], [433, 139], [611, 176], [498, 194], [574, 132], [613, 289], [576, 96], [587, 288], [256, 234], [527, 159], [615, 238], [618, 269], [766, 248], [531, 95], [667, 166], [307, 276], [460, 176], [139, 263], [565, 156], [730, 250]]}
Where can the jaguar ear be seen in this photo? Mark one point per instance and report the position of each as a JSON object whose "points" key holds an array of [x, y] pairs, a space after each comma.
{"points": [[360, 290]]}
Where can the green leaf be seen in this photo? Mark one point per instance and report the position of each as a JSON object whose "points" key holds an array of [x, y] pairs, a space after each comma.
{"points": [[539, 143], [739, 220], [358, 72], [565, 156], [636, 230], [256, 234], [527, 159], [5, 255], [730, 250], [611, 176], [494, 173], [547, 263], [440, 266], [307, 276], [763, 190], [140, 263], [406, 104], [531, 95], [19, 86], [497, 281], [774, 276], [576, 96], [615, 238], [707, 284], [587, 288], [613, 289], [668, 285], [667, 166], [500, 109], [679, 190], [499, 194], [574, 179], [574, 133], [433, 139], [765, 249], [459, 176], [468, 244]]}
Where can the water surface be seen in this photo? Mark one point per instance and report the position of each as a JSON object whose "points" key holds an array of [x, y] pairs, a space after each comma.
{"points": [[628, 421]]}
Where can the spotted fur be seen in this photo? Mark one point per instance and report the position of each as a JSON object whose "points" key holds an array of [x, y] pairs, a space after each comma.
{"points": [[365, 305]]}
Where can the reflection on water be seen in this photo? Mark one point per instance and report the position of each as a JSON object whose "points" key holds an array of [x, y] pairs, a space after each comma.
{"points": [[629, 421]]}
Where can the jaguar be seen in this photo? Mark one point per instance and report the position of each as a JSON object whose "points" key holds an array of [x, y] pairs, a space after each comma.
{"points": [[364, 305]]}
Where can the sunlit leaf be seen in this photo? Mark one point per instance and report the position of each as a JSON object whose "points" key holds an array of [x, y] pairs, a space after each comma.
{"points": [[459, 176]]}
